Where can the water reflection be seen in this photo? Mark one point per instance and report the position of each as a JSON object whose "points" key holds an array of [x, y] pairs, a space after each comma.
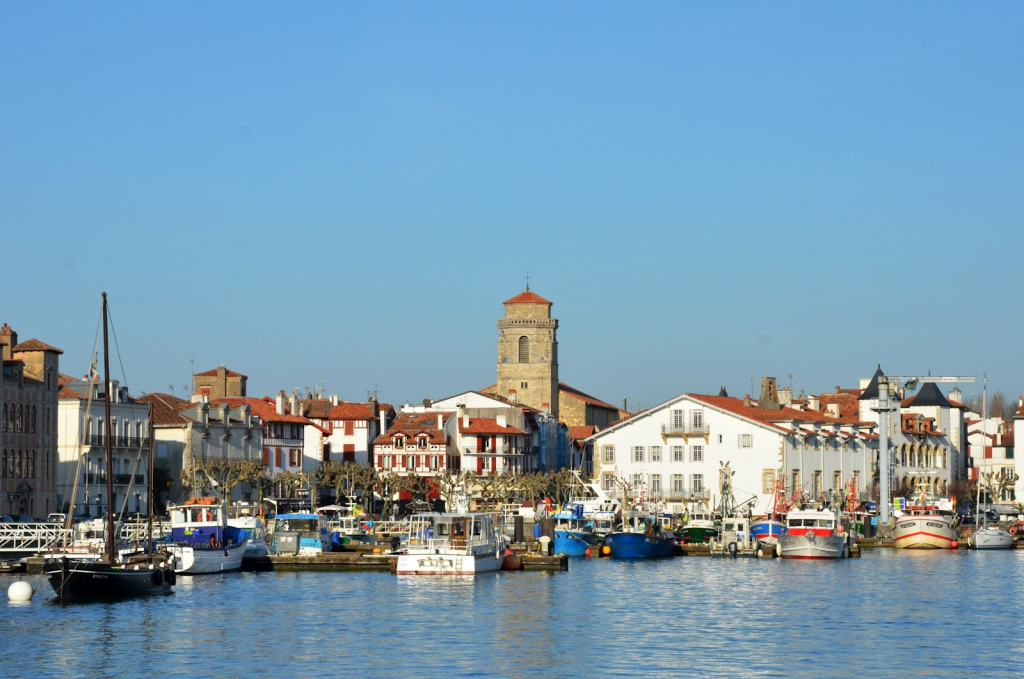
{"points": [[886, 614]]}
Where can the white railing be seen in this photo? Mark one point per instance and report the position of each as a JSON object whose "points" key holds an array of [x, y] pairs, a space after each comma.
{"points": [[697, 429], [31, 537]]}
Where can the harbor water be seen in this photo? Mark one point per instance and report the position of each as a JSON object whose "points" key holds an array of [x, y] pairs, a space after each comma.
{"points": [[889, 613]]}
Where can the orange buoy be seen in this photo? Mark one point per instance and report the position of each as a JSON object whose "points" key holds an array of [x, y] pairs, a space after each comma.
{"points": [[586, 551], [606, 550], [954, 544]]}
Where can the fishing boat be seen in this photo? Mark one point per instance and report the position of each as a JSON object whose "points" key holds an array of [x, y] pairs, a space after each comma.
{"points": [[111, 577], [699, 527], [574, 535], [201, 539], [346, 525], [925, 524], [639, 537], [248, 519], [768, 529], [812, 534], [737, 539], [451, 544]]}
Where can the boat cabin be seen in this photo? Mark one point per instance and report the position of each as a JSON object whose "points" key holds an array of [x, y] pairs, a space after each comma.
{"points": [[437, 532], [801, 522]]}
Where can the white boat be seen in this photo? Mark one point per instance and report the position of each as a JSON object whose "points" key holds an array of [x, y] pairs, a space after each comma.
{"points": [[812, 534], [925, 525], [201, 539], [991, 537], [451, 544], [247, 519]]}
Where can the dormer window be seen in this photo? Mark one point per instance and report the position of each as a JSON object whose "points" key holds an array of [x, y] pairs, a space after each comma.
{"points": [[399, 442], [422, 442]]}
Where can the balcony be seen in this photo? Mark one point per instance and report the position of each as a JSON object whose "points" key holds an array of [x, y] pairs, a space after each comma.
{"points": [[125, 479], [91, 479], [289, 443], [99, 440], [686, 430]]}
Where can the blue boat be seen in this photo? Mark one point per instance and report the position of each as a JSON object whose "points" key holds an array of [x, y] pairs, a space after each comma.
{"points": [[573, 537], [640, 539], [768, 531]]}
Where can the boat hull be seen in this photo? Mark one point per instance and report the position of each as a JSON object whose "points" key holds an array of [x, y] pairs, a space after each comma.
{"points": [[196, 560], [74, 581], [768, 531], [447, 564], [573, 542], [811, 546], [992, 538], [923, 532], [695, 535], [638, 545]]}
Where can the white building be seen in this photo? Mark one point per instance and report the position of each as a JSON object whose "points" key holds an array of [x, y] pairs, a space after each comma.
{"points": [[674, 451], [350, 427], [81, 433]]}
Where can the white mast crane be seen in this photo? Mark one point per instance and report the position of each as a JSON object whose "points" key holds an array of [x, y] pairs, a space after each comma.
{"points": [[887, 383]]}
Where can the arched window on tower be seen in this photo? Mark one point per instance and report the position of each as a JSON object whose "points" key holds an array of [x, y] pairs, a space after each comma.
{"points": [[524, 349]]}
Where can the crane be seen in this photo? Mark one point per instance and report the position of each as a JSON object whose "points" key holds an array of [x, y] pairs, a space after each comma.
{"points": [[887, 384]]}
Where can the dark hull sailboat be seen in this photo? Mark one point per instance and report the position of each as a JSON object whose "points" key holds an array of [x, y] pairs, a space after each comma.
{"points": [[87, 581], [78, 580]]}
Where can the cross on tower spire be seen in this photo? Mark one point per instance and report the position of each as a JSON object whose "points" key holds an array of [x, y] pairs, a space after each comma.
{"points": [[527, 280]]}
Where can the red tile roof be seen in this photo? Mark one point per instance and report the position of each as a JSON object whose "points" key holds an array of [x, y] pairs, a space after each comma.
{"points": [[527, 298], [35, 345], [735, 405], [264, 408], [564, 388], [581, 432], [487, 425], [213, 373], [412, 424], [68, 393], [849, 404], [164, 409], [352, 411]]}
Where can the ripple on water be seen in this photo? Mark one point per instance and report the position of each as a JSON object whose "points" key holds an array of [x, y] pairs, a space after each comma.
{"points": [[886, 614]]}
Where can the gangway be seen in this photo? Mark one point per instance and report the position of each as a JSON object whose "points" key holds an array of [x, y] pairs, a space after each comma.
{"points": [[26, 539]]}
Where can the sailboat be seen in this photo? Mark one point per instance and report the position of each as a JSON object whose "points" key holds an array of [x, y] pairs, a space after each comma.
{"points": [[75, 580], [987, 537]]}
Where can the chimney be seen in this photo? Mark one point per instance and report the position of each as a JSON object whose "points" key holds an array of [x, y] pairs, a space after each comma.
{"points": [[225, 414], [785, 397], [374, 406], [624, 408], [247, 416], [204, 415], [746, 400], [769, 399], [427, 404], [440, 421], [293, 404], [9, 338], [502, 421], [832, 409], [812, 403], [112, 391], [512, 395], [280, 402], [465, 421], [334, 400], [383, 420]]}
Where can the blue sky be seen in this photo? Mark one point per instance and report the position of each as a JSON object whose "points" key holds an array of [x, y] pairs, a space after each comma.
{"points": [[346, 193]]}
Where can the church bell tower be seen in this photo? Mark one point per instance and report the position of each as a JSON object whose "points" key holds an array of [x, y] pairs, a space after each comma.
{"points": [[528, 353]]}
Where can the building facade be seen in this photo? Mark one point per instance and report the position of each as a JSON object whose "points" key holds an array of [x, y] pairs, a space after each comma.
{"points": [[29, 385], [82, 445]]}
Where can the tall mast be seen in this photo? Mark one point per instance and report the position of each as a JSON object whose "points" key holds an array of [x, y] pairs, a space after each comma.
{"points": [[111, 542], [149, 488]]}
